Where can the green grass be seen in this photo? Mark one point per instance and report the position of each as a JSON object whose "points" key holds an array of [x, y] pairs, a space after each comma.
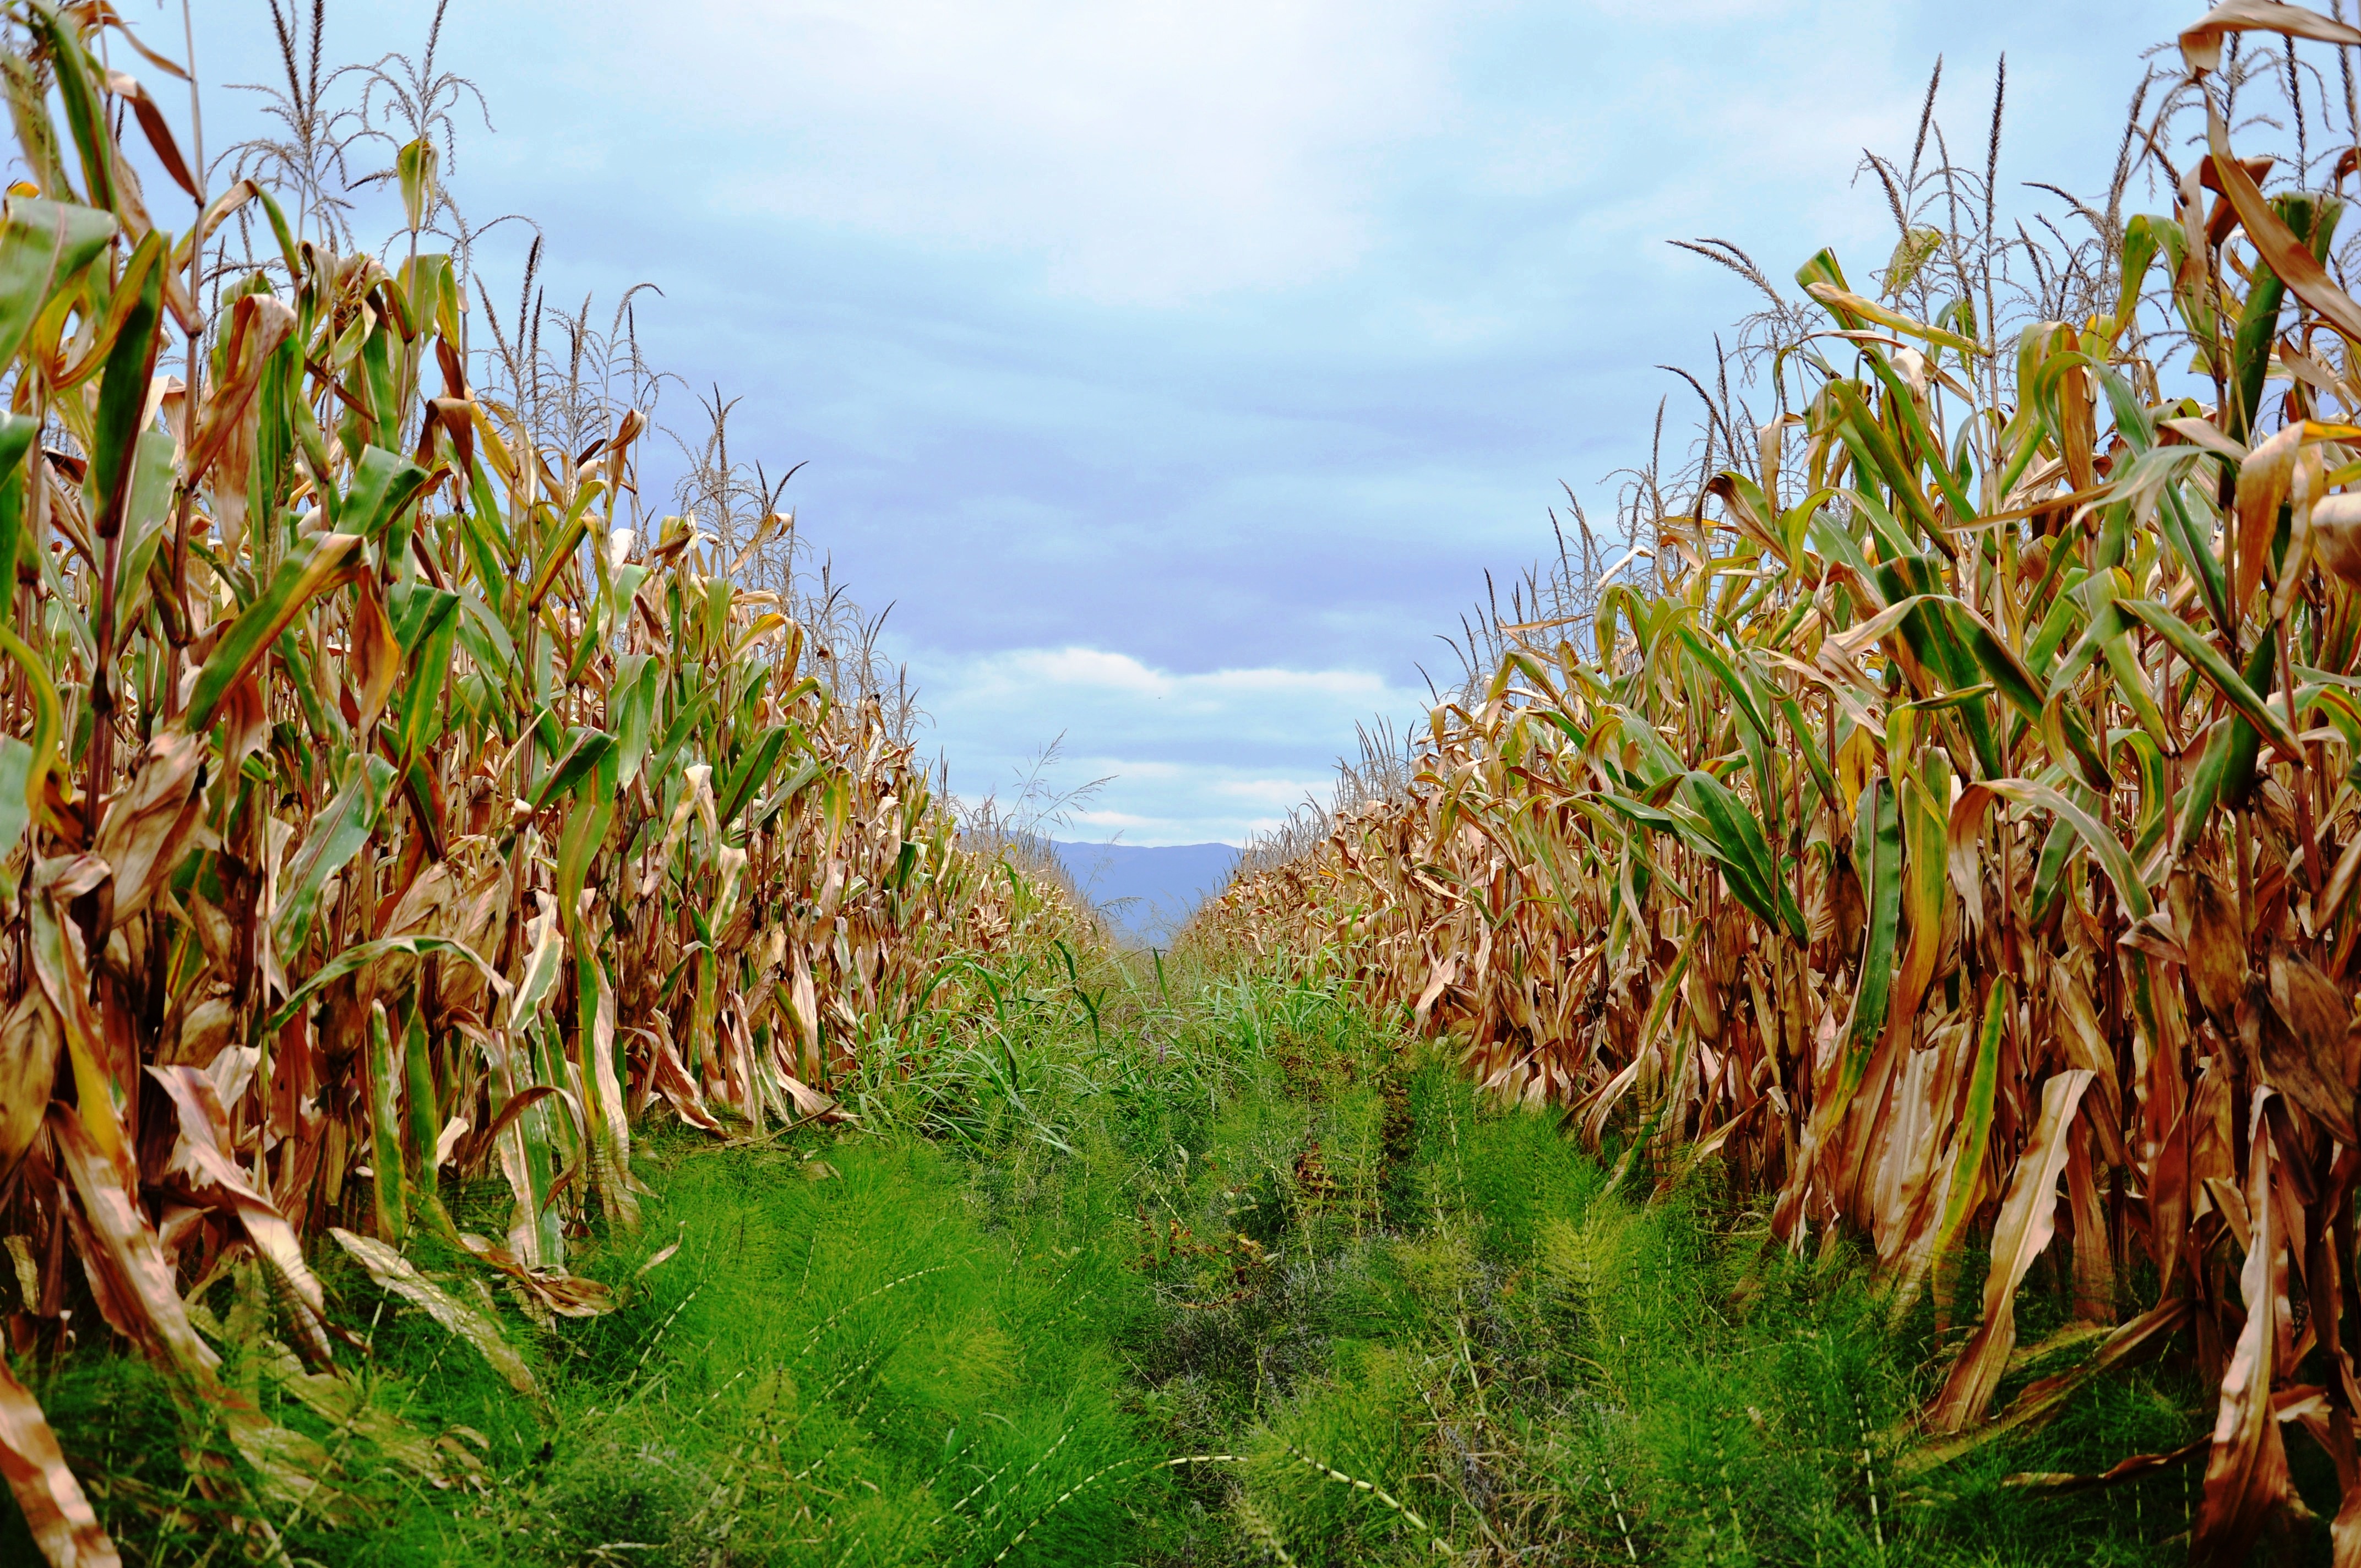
{"points": [[1251, 1230]]}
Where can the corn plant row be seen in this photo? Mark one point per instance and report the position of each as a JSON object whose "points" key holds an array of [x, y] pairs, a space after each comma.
{"points": [[1956, 839], [378, 811]]}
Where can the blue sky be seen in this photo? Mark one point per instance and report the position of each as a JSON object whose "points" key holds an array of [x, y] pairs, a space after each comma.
{"points": [[1177, 371]]}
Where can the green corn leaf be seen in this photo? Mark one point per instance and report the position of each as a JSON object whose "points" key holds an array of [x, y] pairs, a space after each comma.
{"points": [[423, 1120], [377, 379], [753, 770], [15, 770], [1877, 857], [2237, 782], [43, 245], [2155, 785], [2143, 238], [2190, 541], [336, 837], [487, 639], [319, 564], [436, 629], [2312, 217], [632, 704], [1900, 396], [1742, 692], [2108, 623], [1967, 817], [385, 1075], [16, 432], [1873, 448], [2057, 625], [77, 79], [2208, 662], [1733, 837], [361, 956], [2004, 669], [1807, 746], [2070, 740], [569, 536], [2048, 873], [122, 390], [586, 749], [144, 517], [382, 485], [1973, 1135], [586, 830], [2132, 687], [415, 608]]}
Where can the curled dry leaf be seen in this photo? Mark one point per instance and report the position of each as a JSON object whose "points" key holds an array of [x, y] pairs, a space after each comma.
{"points": [[29, 1047], [2336, 535], [146, 830], [2028, 1218], [2207, 920], [57, 1512], [126, 1264], [2246, 1478], [2309, 1045], [398, 1276], [202, 1154]]}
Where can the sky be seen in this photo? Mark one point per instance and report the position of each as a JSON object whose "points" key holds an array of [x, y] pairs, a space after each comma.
{"points": [[1176, 371]]}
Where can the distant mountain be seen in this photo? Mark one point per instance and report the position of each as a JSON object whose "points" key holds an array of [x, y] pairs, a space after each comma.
{"points": [[1145, 892]]}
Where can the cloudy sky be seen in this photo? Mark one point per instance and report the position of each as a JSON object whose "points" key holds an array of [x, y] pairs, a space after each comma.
{"points": [[1177, 371]]}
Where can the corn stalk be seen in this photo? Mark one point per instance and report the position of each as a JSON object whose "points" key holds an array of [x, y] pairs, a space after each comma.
{"points": [[1956, 833], [379, 808]]}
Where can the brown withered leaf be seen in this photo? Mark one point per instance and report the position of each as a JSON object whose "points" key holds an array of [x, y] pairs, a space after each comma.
{"points": [[372, 656], [2288, 256], [30, 1043], [805, 1010], [57, 1513], [2336, 535], [2306, 1044], [246, 722], [2246, 1474], [2042, 1399], [345, 1405], [670, 1079], [205, 1028], [2263, 482], [397, 1274], [258, 324], [126, 1264], [425, 906], [215, 935], [2155, 936], [609, 1115], [2131, 1469], [556, 1291], [2201, 43], [2028, 1217], [147, 827], [202, 1154], [55, 949], [809, 1102], [2206, 918]]}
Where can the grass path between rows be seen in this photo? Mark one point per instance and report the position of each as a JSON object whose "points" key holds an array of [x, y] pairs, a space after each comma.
{"points": [[1245, 1278]]}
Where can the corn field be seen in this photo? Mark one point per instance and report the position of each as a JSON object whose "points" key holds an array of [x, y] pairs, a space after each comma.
{"points": [[387, 801], [1949, 828]]}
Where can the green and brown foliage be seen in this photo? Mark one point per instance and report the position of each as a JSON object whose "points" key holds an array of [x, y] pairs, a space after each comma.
{"points": [[385, 800], [1953, 833]]}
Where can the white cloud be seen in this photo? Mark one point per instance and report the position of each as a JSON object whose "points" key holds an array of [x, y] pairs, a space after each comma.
{"points": [[1386, 271], [1194, 756], [1137, 152]]}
